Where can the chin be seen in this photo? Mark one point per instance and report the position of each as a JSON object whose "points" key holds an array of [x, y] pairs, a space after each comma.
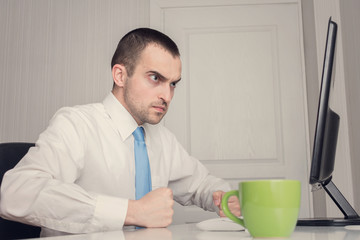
{"points": [[155, 120]]}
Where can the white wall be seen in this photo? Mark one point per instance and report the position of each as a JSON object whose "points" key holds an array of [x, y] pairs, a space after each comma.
{"points": [[57, 53]]}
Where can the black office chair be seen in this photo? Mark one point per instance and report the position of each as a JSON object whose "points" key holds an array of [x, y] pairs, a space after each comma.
{"points": [[10, 155]]}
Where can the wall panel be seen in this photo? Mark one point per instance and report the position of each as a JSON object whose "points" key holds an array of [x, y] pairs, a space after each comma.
{"points": [[57, 53]]}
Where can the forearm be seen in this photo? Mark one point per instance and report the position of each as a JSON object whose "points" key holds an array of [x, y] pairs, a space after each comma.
{"points": [[204, 195], [197, 187], [65, 207]]}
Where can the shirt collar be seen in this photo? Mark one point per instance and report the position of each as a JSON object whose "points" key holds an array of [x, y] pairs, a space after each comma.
{"points": [[122, 119]]}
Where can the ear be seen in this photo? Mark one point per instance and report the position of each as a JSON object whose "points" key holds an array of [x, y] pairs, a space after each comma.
{"points": [[119, 74]]}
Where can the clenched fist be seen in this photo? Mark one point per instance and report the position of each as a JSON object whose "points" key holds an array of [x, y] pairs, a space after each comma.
{"points": [[155, 209]]}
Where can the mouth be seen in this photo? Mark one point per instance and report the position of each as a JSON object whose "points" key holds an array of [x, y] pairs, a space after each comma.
{"points": [[161, 109]]}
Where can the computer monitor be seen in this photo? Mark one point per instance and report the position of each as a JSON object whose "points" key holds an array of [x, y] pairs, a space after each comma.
{"points": [[325, 139]]}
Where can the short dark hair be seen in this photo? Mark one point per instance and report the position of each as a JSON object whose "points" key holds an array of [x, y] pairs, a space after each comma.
{"points": [[133, 43]]}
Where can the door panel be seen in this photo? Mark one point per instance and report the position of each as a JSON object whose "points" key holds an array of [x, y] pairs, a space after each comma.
{"points": [[241, 107]]}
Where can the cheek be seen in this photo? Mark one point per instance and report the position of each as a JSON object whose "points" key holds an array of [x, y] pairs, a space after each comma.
{"points": [[139, 89]]}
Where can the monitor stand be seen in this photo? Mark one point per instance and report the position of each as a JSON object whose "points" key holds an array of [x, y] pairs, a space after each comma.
{"points": [[350, 215]]}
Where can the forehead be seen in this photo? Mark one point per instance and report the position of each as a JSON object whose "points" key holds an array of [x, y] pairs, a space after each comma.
{"points": [[156, 58]]}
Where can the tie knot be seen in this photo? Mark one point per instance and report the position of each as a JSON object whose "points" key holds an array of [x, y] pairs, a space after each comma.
{"points": [[139, 134]]}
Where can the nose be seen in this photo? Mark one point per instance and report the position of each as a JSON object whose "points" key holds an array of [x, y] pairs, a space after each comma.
{"points": [[166, 93]]}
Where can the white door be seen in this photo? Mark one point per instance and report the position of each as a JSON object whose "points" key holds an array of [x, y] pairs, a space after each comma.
{"points": [[241, 106]]}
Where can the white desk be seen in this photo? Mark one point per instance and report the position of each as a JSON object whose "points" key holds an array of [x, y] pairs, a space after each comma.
{"points": [[189, 231]]}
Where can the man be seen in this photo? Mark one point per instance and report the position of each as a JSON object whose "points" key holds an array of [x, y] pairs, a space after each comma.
{"points": [[80, 176]]}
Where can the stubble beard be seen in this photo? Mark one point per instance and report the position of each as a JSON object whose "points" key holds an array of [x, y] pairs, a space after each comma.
{"points": [[140, 112]]}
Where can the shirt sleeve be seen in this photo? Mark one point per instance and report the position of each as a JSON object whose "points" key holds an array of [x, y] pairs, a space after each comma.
{"points": [[41, 190], [191, 182]]}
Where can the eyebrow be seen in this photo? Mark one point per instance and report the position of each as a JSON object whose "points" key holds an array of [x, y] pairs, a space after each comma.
{"points": [[163, 77]]}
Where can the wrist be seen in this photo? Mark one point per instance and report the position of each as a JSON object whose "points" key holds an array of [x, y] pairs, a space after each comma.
{"points": [[131, 214]]}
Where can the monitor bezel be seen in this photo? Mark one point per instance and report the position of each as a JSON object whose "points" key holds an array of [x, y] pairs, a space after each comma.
{"points": [[325, 139], [319, 164]]}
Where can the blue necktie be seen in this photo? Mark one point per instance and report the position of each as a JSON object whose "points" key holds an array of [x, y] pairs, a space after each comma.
{"points": [[142, 165]]}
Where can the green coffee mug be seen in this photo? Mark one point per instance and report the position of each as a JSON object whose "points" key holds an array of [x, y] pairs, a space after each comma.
{"points": [[270, 208]]}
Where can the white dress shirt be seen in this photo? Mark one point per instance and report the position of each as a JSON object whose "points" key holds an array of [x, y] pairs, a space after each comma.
{"points": [[81, 173]]}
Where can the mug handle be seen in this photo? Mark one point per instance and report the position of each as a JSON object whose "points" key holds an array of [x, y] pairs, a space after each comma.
{"points": [[226, 210]]}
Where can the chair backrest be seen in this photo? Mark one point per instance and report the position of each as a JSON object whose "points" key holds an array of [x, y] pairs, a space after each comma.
{"points": [[10, 155]]}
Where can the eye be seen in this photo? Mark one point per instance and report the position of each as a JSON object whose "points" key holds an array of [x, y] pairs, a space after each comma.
{"points": [[174, 84], [154, 77]]}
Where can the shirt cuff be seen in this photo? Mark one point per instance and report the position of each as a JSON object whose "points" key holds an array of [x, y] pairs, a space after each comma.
{"points": [[110, 212]]}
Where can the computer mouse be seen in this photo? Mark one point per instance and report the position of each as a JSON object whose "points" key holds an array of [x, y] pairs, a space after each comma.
{"points": [[352, 227], [219, 224]]}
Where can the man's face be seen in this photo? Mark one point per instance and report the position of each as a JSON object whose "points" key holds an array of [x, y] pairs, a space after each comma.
{"points": [[148, 92]]}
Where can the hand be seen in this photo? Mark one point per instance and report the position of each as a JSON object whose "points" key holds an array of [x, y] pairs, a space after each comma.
{"points": [[233, 203], [155, 209]]}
